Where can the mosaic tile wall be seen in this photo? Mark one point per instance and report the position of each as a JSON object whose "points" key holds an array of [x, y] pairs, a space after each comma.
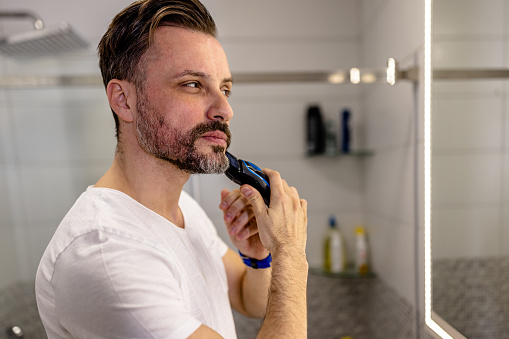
{"points": [[18, 307], [359, 308], [473, 295], [389, 315]]}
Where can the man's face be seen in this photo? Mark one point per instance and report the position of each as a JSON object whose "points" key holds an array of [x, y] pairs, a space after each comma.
{"points": [[183, 111]]}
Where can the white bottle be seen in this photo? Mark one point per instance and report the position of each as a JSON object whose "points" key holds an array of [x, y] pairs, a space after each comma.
{"points": [[330, 138], [335, 260], [361, 251]]}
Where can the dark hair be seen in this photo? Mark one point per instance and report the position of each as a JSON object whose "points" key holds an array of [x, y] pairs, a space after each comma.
{"points": [[132, 31]]}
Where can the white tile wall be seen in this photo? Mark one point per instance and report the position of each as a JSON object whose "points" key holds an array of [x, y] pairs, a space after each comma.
{"points": [[395, 30], [37, 238], [392, 246], [470, 168], [504, 234], [475, 17], [461, 123], [470, 162], [505, 123], [392, 28], [47, 193], [389, 125], [63, 126], [471, 232], [389, 184], [8, 261], [5, 138], [474, 178], [470, 131], [6, 219], [292, 36], [5, 154], [64, 138], [475, 53], [450, 88], [369, 13], [280, 56], [286, 19], [284, 35]]}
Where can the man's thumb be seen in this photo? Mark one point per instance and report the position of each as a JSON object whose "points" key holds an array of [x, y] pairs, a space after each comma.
{"points": [[254, 197]]}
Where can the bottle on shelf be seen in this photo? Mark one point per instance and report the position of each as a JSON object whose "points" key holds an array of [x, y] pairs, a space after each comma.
{"points": [[334, 250], [315, 141], [346, 134], [330, 138], [361, 251]]}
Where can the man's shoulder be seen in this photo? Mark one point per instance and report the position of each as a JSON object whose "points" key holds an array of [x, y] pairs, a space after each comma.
{"points": [[101, 211], [99, 219], [98, 208]]}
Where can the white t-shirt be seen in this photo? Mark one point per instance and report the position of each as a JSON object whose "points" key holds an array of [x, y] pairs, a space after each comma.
{"points": [[116, 269]]}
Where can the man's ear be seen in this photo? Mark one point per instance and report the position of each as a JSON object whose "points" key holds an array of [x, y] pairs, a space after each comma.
{"points": [[121, 96]]}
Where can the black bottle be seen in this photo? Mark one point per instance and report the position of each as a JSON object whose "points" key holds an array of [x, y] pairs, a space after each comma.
{"points": [[315, 131], [345, 131]]}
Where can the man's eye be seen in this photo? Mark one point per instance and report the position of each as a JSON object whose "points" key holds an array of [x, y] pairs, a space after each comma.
{"points": [[192, 84], [227, 92]]}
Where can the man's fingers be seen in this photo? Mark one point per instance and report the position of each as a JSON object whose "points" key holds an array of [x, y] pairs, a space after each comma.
{"points": [[255, 199], [224, 193], [241, 221], [246, 233]]}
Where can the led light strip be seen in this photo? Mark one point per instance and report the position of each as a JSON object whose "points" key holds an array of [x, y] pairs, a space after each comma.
{"points": [[427, 172]]}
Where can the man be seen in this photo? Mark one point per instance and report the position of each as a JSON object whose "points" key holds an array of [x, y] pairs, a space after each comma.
{"points": [[136, 257]]}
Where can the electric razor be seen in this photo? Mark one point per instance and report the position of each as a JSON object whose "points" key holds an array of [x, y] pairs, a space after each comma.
{"points": [[244, 172]]}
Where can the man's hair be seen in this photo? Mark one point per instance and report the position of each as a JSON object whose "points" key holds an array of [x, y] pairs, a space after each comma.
{"points": [[131, 33]]}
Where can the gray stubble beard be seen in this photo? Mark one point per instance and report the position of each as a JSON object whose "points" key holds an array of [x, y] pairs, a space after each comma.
{"points": [[178, 148]]}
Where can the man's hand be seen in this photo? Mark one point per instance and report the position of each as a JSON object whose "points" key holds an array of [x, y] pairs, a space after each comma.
{"points": [[281, 229], [241, 224], [282, 225]]}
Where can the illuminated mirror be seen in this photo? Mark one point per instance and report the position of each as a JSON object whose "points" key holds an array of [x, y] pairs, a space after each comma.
{"points": [[466, 130]]}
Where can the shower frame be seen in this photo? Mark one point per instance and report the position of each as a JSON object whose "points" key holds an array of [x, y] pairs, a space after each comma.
{"points": [[353, 76]]}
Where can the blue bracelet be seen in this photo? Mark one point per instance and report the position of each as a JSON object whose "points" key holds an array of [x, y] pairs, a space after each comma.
{"points": [[255, 263]]}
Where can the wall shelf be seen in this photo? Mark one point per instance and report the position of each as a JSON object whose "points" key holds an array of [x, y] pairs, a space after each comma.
{"points": [[348, 273], [338, 154]]}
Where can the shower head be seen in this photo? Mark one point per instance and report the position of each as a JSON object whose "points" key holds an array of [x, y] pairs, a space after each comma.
{"points": [[40, 42]]}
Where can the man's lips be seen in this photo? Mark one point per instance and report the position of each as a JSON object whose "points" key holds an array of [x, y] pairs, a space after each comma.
{"points": [[215, 136]]}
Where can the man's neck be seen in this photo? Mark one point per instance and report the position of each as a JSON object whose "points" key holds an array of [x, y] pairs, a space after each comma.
{"points": [[152, 182]]}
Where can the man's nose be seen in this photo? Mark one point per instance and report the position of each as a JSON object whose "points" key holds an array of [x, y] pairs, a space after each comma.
{"points": [[220, 108]]}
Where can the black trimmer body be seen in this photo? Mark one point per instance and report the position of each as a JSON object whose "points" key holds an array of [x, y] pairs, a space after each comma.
{"points": [[244, 172]]}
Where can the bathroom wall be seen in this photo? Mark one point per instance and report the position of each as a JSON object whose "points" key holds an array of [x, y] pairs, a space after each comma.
{"points": [[393, 117], [470, 169], [61, 140], [470, 140], [8, 258], [47, 171], [268, 127]]}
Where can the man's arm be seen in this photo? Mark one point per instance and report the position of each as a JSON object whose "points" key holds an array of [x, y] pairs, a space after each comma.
{"points": [[286, 314], [248, 288], [282, 229]]}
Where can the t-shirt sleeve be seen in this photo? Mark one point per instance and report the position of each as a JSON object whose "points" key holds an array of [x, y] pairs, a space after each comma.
{"points": [[110, 286]]}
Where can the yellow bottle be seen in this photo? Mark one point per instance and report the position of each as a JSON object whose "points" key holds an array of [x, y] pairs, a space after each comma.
{"points": [[361, 251]]}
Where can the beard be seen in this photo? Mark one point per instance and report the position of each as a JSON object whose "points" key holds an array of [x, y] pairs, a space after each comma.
{"points": [[158, 138]]}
